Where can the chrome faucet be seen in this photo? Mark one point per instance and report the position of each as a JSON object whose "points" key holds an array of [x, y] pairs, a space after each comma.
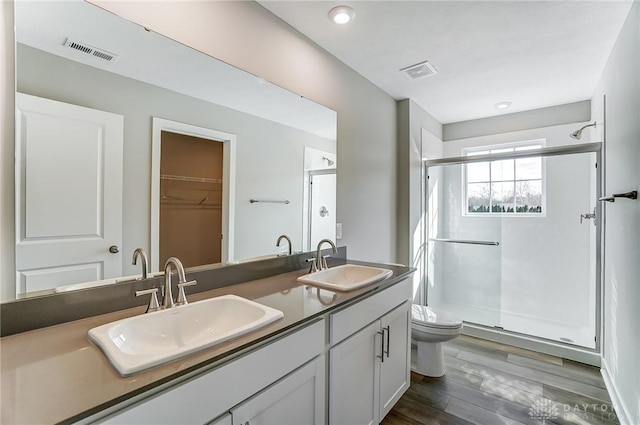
{"points": [[288, 240], [139, 252], [167, 297], [321, 262]]}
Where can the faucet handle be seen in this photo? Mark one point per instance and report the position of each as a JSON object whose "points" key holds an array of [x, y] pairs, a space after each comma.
{"points": [[153, 301], [314, 265], [324, 262], [182, 297]]}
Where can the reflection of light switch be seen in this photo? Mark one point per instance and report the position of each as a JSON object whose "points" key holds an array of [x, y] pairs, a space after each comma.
{"points": [[338, 230]]}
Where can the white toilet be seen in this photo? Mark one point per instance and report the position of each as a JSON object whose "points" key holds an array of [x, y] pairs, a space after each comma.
{"points": [[429, 330]]}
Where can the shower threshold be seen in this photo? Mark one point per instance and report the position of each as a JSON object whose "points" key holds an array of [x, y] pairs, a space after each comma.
{"points": [[582, 336], [541, 345]]}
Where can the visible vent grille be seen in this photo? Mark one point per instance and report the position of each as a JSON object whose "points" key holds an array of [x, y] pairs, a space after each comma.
{"points": [[90, 50], [423, 69], [103, 55], [80, 47]]}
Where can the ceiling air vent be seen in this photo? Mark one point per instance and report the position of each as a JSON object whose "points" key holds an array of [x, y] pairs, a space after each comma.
{"points": [[90, 50], [419, 70]]}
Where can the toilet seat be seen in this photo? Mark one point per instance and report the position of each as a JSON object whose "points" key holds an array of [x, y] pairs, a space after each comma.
{"points": [[425, 317]]}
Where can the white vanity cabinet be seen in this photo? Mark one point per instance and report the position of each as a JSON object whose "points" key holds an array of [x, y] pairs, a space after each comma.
{"points": [[296, 399], [272, 374], [357, 356], [354, 379], [395, 370], [370, 369]]}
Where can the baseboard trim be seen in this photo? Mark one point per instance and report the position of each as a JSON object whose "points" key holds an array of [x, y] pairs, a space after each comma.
{"points": [[624, 417]]}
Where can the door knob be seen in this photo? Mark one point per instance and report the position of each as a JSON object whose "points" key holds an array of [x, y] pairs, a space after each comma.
{"points": [[114, 249]]}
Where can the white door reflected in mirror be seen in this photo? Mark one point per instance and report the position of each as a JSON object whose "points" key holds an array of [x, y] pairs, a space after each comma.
{"points": [[69, 194], [319, 218]]}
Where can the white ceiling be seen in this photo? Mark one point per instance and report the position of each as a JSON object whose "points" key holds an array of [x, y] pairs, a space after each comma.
{"points": [[534, 54]]}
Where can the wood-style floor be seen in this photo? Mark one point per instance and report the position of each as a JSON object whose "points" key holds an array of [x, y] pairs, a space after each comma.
{"points": [[487, 383]]}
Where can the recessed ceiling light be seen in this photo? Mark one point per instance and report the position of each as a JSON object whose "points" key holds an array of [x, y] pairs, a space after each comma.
{"points": [[342, 14], [502, 105]]}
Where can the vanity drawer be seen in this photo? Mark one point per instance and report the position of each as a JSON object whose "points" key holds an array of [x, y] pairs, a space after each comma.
{"points": [[348, 321]]}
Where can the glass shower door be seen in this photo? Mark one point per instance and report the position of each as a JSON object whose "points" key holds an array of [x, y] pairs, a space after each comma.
{"points": [[464, 253], [518, 258]]}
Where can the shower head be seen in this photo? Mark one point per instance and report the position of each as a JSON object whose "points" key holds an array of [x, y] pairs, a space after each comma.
{"points": [[578, 133], [329, 162]]}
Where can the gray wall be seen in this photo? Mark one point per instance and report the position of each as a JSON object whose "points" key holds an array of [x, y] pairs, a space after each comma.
{"points": [[246, 35], [620, 83], [536, 118]]}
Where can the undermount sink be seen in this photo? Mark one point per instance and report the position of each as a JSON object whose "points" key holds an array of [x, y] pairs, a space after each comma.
{"points": [[140, 342], [346, 277]]}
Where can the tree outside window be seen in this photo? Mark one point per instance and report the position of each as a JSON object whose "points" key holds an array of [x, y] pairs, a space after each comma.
{"points": [[511, 186]]}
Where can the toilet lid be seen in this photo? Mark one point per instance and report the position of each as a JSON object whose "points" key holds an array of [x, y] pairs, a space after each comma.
{"points": [[426, 316]]}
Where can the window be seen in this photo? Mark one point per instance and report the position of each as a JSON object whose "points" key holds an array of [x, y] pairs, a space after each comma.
{"points": [[509, 186]]}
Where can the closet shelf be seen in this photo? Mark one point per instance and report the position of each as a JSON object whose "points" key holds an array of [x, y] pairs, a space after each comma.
{"points": [[190, 206], [190, 179]]}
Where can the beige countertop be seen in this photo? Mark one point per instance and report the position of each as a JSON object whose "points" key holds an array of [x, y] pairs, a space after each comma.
{"points": [[57, 374]]}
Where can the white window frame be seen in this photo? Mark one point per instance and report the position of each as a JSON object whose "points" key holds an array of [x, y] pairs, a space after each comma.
{"points": [[543, 180]]}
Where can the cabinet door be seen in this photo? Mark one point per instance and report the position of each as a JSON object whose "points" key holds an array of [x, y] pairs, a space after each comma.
{"points": [[354, 378], [395, 370], [296, 399]]}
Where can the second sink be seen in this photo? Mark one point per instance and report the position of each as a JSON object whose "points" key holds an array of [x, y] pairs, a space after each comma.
{"points": [[346, 277]]}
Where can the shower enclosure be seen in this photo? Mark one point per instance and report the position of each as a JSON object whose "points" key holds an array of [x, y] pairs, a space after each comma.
{"points": [[513, 237]]}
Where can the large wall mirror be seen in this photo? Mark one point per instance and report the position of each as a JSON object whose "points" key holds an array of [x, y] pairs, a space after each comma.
{"points": [[166, 144]]}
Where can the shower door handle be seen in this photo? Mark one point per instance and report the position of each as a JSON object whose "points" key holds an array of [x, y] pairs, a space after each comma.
{"points": [[589, 216], [465, 241], [629, 195]]}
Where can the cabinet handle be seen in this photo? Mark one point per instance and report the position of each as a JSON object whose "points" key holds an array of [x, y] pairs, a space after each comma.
{"points": [[381, 356], [388, 329]]}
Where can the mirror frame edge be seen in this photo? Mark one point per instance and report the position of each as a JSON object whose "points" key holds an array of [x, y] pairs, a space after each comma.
{"points": [[8, 87]]}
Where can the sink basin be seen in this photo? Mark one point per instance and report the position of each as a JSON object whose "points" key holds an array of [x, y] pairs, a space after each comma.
{"points": [[140, 342], [346, 277]]}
